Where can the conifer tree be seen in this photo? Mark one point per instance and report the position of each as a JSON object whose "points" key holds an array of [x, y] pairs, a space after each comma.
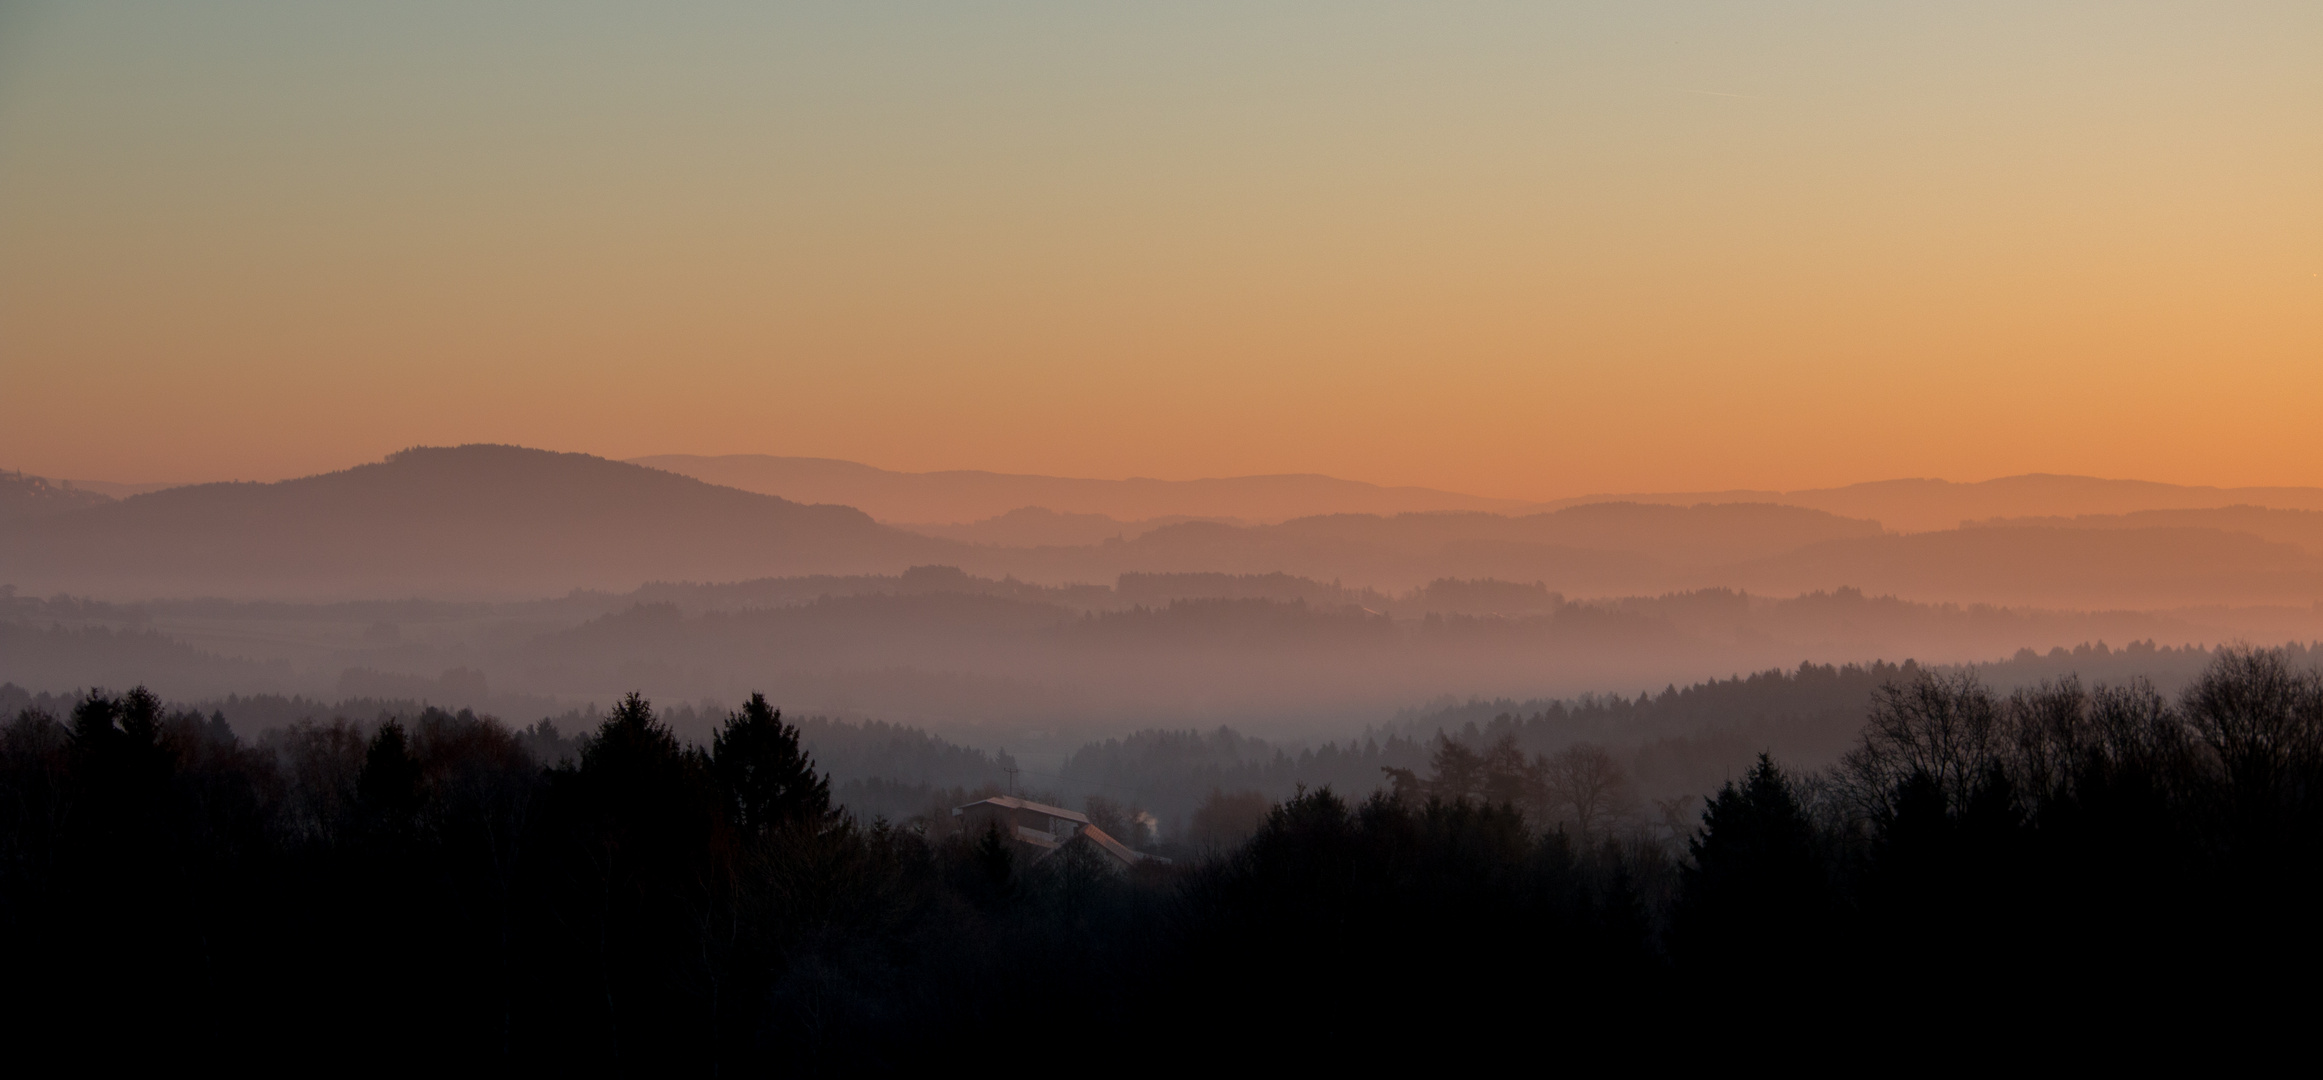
{"points": [[388, 787], [1756, 893], [768, 781]]}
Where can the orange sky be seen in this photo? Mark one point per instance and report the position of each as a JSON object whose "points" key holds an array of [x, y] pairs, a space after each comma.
{"points": [[1490, 248]]}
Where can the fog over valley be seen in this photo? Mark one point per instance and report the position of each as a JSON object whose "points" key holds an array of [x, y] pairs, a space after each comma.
{"points": [[524, 582]]}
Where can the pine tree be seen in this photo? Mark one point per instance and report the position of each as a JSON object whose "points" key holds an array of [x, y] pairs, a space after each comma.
{"points": [[388, 787], [1757, 893], [768, 781]]}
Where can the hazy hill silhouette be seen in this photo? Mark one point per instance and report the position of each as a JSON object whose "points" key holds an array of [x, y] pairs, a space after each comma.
{"points": [[1706, 534], [507, 522], [1596, 548], [112, 489], [943, 647], [1921, 505], [965, 496], [971, 495], [1037, 526], [1295, 659], [2301, 527], [2149, 559], [2062, 567], [469, 521], [23, 497]]}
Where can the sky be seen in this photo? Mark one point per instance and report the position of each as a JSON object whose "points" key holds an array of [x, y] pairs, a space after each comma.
{"points": [[1528, 250]]}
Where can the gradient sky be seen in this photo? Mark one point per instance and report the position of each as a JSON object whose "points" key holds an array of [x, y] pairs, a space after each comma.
{"points": [[1523, 249]]}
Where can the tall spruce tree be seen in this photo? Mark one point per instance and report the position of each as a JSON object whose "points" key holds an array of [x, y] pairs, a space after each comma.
{"points": [[1757, 894], [767, 780]]}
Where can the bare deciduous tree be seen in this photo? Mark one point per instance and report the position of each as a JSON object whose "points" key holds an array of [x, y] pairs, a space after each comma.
{"points": [[1948, 728], [1587, 788]]}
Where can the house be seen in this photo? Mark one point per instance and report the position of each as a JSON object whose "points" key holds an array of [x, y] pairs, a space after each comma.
{"points": [[1041, 830]]}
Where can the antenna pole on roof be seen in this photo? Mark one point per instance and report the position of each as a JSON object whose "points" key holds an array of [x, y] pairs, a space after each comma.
{"points": [[1011, 771]]}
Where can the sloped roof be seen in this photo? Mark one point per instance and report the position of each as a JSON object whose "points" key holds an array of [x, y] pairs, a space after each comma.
{"points": [[1113, 847], [1014, 803], [1104, 841]]}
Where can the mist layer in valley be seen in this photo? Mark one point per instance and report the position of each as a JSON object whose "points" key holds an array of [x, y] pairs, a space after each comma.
{"points": [[1301, 608]]}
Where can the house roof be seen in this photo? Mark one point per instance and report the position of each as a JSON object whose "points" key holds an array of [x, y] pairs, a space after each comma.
{"points": [[1113, 847], [1014, 803], [1088, 831]]}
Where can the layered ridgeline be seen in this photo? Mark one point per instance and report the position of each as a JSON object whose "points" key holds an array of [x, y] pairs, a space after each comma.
{"points": [[1078, 507], [1042, 666], [1593, 550], [967, 495], [469, 521], [504, 522], [2237, 556], [2051, 541], [1925, 505]]}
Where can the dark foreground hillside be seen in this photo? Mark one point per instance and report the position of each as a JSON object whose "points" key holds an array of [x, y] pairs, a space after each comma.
{"points": [[2042, 867]]}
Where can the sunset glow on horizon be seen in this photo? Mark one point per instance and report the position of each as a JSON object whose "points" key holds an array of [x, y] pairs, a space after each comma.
{"points": [[1512, 250]]}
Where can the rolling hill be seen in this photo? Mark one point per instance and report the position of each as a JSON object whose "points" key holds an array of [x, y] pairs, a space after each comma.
{"points": [[962, 496], [1922, 505], [2303, 528], [1591, 550], [2088, 568], [486, 522], [447, 522]]}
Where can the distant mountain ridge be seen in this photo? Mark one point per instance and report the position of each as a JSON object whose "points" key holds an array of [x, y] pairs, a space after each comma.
{"points": [[2303, 528], [502, 522], [1591, 550], [2156, 559], [1924, 505], [2084, 568], [467, 521], [1035, 526], [963, 497], [966, 495]]}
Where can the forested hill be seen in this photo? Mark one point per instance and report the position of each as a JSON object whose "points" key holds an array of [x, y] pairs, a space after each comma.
{"points": [[1810, 689], [23, 497], [448, 523], [1684, 738], [488, 894], [1662, 745]]}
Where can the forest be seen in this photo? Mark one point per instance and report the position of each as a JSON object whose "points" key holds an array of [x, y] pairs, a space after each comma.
{"points": [[454, 890]]}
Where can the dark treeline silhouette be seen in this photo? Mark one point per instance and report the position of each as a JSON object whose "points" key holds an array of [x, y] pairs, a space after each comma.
{"points": [[1829, 692], [450, 890], [1689, 739], [1664, 748], [1648, 758], [2108, 852], [432, 888]]}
